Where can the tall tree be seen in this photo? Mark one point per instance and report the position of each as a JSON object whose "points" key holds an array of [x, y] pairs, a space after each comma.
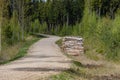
{"points": [[20, 4], [106, 7]]}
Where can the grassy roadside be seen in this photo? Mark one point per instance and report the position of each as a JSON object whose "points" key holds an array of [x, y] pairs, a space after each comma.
{"points": [[110, 71], [59, 42], [20, 49], [78, 72]]}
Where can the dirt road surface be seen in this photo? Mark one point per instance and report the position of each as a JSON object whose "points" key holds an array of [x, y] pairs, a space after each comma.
{"points": [[44, 58]]}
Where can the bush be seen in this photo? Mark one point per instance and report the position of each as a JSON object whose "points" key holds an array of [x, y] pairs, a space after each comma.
{"points": [[11, 31], [36, 27], [101, 34], [66, 30]]}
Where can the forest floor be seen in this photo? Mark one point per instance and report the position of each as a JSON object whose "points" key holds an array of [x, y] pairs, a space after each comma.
{"points": [[44, 58]]}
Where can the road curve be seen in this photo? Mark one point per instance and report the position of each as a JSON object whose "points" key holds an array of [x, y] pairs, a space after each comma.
{"points": [[44, 58]]}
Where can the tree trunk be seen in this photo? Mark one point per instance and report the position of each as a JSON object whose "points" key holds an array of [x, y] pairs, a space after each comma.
{"points": [[1, 6], [112, 13], [99, 11], [21, 16], [67, 19]]}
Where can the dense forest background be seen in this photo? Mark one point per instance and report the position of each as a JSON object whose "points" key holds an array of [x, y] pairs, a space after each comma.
{"points": [[97, 21]]}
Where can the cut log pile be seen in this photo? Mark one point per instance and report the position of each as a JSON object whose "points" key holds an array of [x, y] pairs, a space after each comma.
{"points": [[73, 45]]}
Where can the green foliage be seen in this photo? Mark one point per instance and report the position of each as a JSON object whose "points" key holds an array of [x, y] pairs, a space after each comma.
{"points": [[21, 50], [97, 21], [76, 30], [43, 28], [59, 42], [8, 34], [63, 76], [55, 13], [114, 40], [101, 34], [103, 7], [12, 22], [36, 27], [108, 37], [11, 31], [66, 30]]}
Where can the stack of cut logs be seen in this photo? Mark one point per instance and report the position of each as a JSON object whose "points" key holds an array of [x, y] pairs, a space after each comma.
{"points": [[73, 45]]}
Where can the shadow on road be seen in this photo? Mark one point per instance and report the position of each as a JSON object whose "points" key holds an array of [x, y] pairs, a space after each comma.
{"points": [[40, 61], [40, 69], [40, 56]]}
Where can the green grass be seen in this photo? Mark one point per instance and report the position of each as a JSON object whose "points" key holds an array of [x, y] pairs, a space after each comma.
{"points": [[79, 72], [59, 42], [63, 76], [22, 50], [76, 72]]}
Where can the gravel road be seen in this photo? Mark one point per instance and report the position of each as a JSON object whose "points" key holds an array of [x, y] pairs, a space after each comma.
{"points": [[44, 58]]}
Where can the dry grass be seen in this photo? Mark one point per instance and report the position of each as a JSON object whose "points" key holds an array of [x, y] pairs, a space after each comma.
{"points": [[17, 50], [10, 52], [86, 68], [110, 71]]}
